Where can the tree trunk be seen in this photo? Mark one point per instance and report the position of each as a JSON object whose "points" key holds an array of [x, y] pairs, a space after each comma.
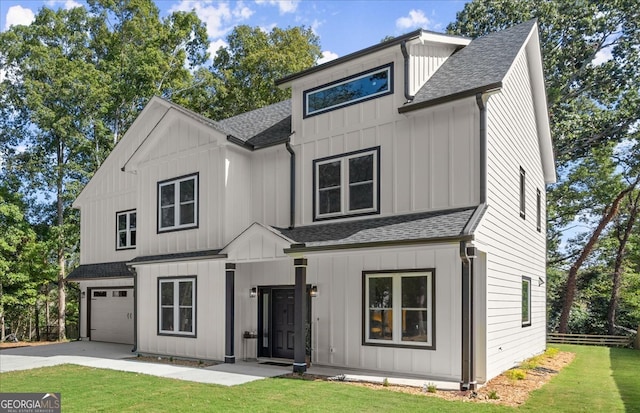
{"points": [[570, 286], [62, 303], [623, 238], [37, 317]]}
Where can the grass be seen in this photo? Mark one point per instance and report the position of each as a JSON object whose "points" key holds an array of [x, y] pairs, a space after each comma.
{"points": [[599, 379]]}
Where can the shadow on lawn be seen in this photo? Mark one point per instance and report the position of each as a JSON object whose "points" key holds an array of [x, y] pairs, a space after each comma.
{"points": [[625, 364]]}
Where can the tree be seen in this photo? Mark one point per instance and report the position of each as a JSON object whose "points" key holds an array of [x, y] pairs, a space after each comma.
{"points": [[244, 73], [75, 80], [593, 104]]}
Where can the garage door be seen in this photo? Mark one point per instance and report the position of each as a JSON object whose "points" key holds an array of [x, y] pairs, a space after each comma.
{"points": [[111, 315]]}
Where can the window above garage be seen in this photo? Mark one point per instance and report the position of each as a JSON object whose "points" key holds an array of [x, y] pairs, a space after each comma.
{"points": [[348, 91]]}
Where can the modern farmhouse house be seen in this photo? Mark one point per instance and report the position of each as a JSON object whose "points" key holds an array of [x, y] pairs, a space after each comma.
{"points": [[389, 217]]}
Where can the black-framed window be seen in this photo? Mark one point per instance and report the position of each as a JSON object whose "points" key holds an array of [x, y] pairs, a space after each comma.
{"points": [[348, 91], [347, 184], [178, 203], [526, 301], [177, 306], [523, 200], [126, 229], [538, 210], [399, 308]]}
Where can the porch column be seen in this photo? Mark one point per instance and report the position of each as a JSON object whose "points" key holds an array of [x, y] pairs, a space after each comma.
{"points": [[300, 307], [229, 354]]}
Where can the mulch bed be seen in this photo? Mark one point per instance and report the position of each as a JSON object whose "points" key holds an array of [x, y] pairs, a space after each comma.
{"points": [[510, 392]]}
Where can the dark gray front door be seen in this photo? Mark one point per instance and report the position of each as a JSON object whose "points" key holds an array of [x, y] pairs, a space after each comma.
{"points": [[283, 323]]}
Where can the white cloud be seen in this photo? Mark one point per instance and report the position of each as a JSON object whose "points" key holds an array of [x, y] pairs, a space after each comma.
{"points": [[327, 56], [284, 6], [604, 55], [415, 19], [214, 46], [18, 15], [217, 19], [315, 25], [242, 12], [65, 4]]}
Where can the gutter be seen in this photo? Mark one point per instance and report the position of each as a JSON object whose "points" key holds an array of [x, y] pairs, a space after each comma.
{"points": [[292, 186], [405, 54]]}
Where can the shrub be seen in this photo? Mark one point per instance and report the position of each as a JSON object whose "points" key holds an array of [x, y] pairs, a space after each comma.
{"points": [[516, 374], [385, 382], [432, 388], [551, 352], [493, 395]]}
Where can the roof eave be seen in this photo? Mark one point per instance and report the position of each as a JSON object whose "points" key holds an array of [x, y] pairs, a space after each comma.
{"points": [[449, 98]]}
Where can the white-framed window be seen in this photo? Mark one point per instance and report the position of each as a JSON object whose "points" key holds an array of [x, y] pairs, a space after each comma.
{"points": [[347, 184], [126, 229], [523, 199], [178, 203], [349, 90], [177, 306], [526, 301], [399, 308]]}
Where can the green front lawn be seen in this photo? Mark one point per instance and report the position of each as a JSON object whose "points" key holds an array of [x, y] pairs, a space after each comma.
{"points": [[599, 379]]}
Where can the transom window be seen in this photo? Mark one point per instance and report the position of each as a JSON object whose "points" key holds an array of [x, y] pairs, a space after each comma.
{"points": [[346, 184], [526, 301], [177, 306], [350, 90], [399, 308], [126, 230], [178, 203]]}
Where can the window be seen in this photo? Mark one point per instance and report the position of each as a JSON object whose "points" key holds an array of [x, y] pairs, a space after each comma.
{"points": [[178, 203], [126, 230], [177, 309], [353, 89], [399, 308], [526, 301], [346, 185], [538, 210], [522, 193]]}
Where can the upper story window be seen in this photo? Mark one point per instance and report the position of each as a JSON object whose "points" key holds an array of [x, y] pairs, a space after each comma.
{"points": [[178, 203], [346, 185], [523, 200], [126, 229], [348, 91]]}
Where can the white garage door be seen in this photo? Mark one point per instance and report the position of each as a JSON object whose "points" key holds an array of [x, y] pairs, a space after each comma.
{"points": [[112, 315]]}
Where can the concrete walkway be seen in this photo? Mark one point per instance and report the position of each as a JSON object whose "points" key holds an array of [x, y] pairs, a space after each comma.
{"points": [[119, 357]]}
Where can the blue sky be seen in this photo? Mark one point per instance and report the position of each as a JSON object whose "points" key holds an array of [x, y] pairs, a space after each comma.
{"points": [[343, 26]]}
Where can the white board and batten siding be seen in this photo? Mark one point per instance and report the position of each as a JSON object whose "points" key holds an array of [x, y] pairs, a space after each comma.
{"points": [[270, 186], [210, 311], [428, 160], [514, 247]]}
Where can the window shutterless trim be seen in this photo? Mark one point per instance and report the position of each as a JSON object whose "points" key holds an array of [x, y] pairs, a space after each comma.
{"points": [[526, 323], [523, 193], [196, 213], [344, 181], [365, 309], [175, 279], [129, 247], [305, 95]]}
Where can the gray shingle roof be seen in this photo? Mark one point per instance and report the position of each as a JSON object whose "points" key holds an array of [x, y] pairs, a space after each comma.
{"points": [[262, 127], [479, 66], [399, 228], [181, 256], [103, 270]]}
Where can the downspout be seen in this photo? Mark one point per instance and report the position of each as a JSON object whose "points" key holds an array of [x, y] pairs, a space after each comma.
{"points": [[135, 309], [292, 189], [467, 254], [405, 54]]}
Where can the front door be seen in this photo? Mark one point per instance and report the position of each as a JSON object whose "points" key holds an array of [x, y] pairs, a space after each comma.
{"points": [[283, 323]]}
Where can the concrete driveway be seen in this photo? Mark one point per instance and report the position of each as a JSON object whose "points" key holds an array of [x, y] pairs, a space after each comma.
{"points": [[115, 356]]}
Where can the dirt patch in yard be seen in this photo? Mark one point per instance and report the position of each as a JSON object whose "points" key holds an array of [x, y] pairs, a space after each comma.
{"points": [[504, 390], [16, 344]]}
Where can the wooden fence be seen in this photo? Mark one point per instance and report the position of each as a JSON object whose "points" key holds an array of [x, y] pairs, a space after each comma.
{"points": [[590, 339]]}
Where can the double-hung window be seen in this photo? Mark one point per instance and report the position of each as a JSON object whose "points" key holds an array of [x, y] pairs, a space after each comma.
{"points": [[126, 230], [177, 306], [178, 203], [347, 184], [399, 308], [526, 301], [363, 86]]}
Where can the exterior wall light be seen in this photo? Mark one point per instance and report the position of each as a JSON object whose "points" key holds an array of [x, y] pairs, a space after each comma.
{"points": [[253, 293], [314, 291]]}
